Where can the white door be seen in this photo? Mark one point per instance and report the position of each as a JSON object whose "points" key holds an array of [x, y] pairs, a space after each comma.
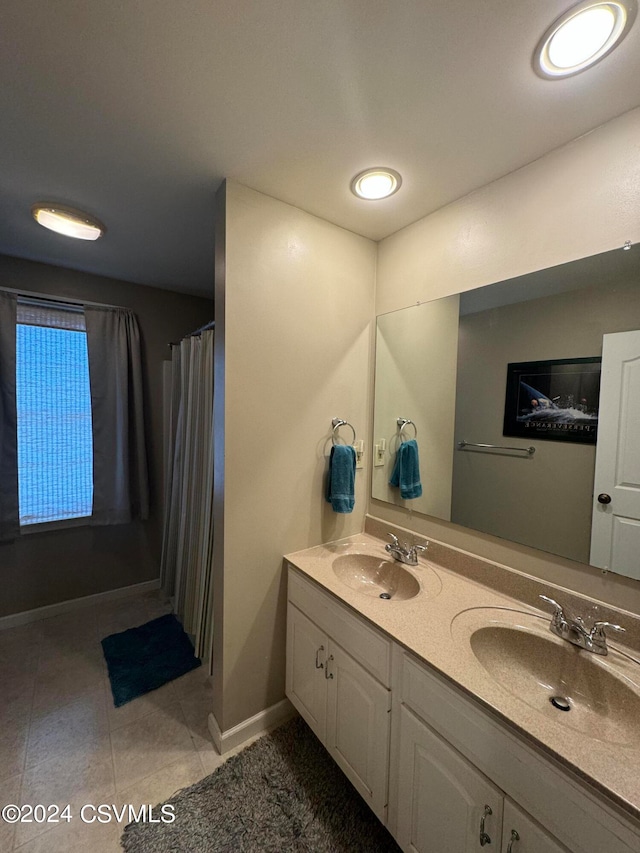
{"points": [[521, 834], [615, 527], [442, 798], [306, 661], [358, 727]]}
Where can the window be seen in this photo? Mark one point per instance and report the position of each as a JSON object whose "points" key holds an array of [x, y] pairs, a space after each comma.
{"points": [[72, 451], [55, 446]]}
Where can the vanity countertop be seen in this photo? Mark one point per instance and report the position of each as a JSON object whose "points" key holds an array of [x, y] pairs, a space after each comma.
{"points": [[436, 626]]}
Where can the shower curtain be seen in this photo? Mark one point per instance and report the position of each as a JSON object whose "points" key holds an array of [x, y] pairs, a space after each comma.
{"points": [[187, 551]]}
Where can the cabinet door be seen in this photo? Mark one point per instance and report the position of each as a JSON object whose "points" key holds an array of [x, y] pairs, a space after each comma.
{"points": [[521, 834], [358, 727], [306, 661], [441, 797]]}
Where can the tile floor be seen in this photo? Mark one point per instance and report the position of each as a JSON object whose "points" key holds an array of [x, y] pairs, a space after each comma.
{"points": [[62, 741]]}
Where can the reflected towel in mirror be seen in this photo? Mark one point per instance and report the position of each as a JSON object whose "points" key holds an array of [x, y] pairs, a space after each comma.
{"points": [[406, 470]]}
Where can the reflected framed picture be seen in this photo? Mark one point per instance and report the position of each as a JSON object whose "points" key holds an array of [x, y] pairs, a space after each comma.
{"points": [[553, 400]]}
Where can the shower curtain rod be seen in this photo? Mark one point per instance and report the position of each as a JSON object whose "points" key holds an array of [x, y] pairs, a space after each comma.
{"points": [[210, 325], [47, 297]]}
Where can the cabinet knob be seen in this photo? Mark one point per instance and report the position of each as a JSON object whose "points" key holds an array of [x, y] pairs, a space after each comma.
{"points": [[514, 837], [484, 838]]}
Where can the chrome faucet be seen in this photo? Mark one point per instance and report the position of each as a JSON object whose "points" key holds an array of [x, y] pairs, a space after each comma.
{"points": [[575, 631], [406, 553]]}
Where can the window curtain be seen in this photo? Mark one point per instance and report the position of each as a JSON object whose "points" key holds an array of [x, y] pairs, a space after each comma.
{"points": [[9, 511], [187, 553], [120, 475]]}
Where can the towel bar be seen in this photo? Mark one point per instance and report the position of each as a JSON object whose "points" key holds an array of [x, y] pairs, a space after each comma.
{"points": [[528, 450]]}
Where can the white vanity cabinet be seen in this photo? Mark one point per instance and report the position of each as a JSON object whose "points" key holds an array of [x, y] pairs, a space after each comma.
{"points": [[434, 765], [338, 673], [444, 803], [451, 762]]}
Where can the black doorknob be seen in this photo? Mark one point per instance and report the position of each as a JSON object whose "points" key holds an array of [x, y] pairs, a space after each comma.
{"points": [[604, 499]]}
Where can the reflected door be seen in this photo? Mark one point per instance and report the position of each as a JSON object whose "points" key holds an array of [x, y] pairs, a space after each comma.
{"points": [[615, 531]]}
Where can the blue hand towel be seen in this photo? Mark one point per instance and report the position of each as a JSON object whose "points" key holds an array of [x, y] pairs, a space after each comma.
{"points": [[342, 478], [406, 471]]}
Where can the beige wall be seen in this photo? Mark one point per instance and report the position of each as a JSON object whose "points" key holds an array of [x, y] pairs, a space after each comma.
{"points": [[416, 358], [45, 568], [298, 312], [579, 200]]}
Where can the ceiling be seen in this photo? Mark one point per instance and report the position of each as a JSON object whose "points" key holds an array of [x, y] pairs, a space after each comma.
{"points": [[135, 111]]}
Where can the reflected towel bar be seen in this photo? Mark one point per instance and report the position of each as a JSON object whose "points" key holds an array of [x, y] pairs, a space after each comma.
{"points": [[528, 450]]}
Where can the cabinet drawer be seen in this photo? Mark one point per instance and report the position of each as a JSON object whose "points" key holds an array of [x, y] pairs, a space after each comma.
{"points": [[368, 647], [569, 810]]}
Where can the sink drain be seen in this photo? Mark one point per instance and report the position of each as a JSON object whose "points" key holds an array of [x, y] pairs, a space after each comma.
{"points": [[561, 703], [385, 595]]}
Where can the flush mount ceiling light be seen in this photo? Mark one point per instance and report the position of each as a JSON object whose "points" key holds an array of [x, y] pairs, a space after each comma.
{"points": [[67, 221], [583, 36], [375, 184]]}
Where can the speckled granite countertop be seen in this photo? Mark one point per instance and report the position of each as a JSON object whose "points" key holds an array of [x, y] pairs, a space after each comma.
{"points": [[599, 740]]}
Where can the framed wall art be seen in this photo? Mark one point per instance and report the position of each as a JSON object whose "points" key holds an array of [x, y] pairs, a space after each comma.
{"points": [[555, 400]]}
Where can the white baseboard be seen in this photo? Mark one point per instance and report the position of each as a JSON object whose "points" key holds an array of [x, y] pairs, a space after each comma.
{"points": [[267, 719], [15, 619]]}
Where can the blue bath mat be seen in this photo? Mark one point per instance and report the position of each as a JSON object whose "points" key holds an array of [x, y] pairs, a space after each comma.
{"points": [[144, 658]]}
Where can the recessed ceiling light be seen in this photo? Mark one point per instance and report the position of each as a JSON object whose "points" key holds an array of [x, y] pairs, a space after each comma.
{"points": [[376, 183], [67, 221], [582, 36]]}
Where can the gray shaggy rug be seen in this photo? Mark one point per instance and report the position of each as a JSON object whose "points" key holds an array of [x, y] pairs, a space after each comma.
{"points": [[282, 793]]}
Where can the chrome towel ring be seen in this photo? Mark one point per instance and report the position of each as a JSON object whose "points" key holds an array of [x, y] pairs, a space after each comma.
{"points": [[336, 423], [403, 422]]}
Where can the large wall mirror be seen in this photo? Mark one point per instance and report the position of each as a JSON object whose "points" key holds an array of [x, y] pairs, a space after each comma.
{"points": [[524, 398]]}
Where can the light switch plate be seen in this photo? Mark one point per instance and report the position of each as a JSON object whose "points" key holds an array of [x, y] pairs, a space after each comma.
{"points": [[378, 456]]}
